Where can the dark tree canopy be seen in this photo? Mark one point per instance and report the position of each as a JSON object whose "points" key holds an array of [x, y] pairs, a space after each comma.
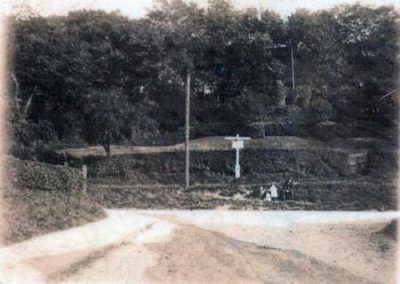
{"points": [[101, 78]]}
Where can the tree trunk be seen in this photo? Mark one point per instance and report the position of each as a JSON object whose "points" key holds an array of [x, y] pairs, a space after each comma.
{"points": [[294, 94], [27, 106], [106, 143], [16, 95], [107, 148], [22, 113], [281, 94]]}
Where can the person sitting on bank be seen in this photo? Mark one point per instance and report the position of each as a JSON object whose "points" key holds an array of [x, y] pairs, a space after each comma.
{"points": [[274, 191], [265, 194], [288, 190]]}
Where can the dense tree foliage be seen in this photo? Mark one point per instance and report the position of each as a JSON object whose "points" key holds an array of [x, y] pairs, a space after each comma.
{"points": [[101, 78]]}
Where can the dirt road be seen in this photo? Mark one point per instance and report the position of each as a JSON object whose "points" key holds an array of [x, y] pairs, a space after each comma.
{"points": [[210, 246]]}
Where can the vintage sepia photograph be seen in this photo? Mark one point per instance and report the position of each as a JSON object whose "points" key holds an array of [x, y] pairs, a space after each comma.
{"points": [[199, 141]]}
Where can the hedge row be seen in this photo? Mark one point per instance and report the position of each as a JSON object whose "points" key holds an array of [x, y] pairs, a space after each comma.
{"points": [[41, 176], [41, 198], [255, 163]]}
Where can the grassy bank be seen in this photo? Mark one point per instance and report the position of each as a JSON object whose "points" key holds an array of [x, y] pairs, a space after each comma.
{"points": [[40, 198], [32, 213], [345, 195]]}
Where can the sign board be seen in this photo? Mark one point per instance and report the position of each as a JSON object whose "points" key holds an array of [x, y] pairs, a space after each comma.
{"points": [[237, 144]]}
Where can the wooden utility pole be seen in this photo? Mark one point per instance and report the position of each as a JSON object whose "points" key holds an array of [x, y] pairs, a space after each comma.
{"points": [[292, 59], [187, 131]]}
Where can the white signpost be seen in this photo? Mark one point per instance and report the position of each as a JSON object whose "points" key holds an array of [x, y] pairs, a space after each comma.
{"points": [[237, 144]]}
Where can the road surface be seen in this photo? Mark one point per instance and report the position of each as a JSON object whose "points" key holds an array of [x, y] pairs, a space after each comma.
{"points": [[132, 246]]}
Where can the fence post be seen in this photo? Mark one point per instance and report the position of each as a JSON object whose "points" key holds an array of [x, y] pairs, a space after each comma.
{"points": [[84, 173]]}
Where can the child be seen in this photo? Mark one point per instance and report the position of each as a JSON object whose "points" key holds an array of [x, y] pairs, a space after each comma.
{"points": [[265, 194], [268, 197]]}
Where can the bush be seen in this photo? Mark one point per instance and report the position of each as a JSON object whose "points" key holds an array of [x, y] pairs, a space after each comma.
{"points": [[41, 198], [42, 176]]}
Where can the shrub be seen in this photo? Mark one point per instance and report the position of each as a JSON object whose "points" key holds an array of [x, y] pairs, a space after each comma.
{"points": [[42, 176]]}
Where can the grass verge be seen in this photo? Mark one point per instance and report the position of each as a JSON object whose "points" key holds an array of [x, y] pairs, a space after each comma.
{"points": [[307, 196], [31, 213]]}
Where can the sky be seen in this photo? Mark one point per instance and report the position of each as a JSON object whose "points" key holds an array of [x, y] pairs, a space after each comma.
{"points": [[138, 8]]}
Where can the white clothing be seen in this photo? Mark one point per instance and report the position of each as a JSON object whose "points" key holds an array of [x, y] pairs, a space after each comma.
{"points": [[274, 191]]}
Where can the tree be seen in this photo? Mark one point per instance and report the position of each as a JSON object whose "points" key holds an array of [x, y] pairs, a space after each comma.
{"points": [[369, 39], [106, 114], [66, 67]]}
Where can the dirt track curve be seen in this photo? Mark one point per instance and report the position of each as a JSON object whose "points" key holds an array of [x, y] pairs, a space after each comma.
{"points": [[209, 247]]}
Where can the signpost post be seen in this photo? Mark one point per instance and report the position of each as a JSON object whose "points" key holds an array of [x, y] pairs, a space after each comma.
{"points": [[237, 144], [84, 173]]}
